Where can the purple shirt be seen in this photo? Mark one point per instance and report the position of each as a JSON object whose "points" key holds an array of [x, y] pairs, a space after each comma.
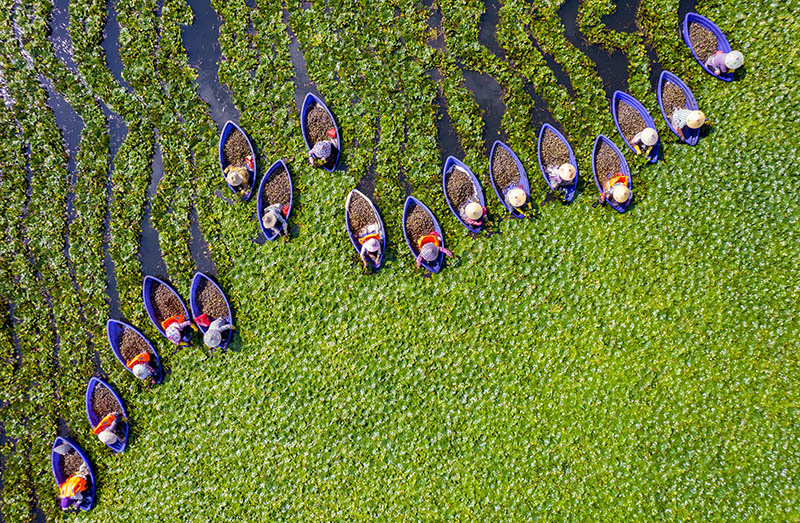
{"points": [[717, 62], [321, 150]]}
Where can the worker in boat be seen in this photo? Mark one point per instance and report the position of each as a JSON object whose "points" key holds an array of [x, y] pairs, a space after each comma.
{"points": [[472, 213], [616, 188], [173, 328], [564, 176], [721, 62], [430, 246], [213, 336], [71, 491], [274, 218], [683, 117], [370, 239], [140, 366], [517, 199], [106, 429], [644, 140], [237, 176], [323, 151]]}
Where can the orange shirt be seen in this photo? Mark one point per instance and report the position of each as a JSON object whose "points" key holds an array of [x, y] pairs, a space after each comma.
{"points": [[368, 237], [139, 358], [178, 318], [106, 422], [619, 178], [72, 486], [433, 238]]}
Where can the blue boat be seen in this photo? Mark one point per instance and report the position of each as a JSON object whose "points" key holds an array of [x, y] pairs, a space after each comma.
{"points": [[61, 447], [722, 41], [94, 419], [308, 103], [412, 202], [623, 168], [227, 129], [523, 177], [114, 332], [620, 97], [199, 278], [260, 204], [454, 163], [354, 234], [568, 192], [148, 285], [691, 136]]}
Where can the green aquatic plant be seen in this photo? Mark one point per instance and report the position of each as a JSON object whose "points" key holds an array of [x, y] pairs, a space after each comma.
{"points": [[582, 365]]}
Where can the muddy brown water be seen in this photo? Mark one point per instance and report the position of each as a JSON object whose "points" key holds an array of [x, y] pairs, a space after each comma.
{"points": [[504, 169], [418, 224], [630, 121], [672, 98], [211, 301], [165, 303], [276, 189], [360, 214], [704, 42], [607, 163]]}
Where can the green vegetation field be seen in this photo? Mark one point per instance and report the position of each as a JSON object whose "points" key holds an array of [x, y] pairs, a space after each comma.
{"points": [[583, 365]]}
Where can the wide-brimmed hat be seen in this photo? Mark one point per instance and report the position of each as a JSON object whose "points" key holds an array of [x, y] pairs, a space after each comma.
{"points": [[270, 219], [372, 245], [696, 119], [234, 177], [212, 338], [429, 252], [108, 437], [473, 210], [141, 371], [173, 333], [734, 60], [517, 197], [649, 136], [620, 193], [567, 172]]}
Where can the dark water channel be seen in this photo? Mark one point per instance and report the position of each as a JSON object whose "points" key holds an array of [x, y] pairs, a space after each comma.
{"points": [[110, 45], [611, 66], [117, 132], [201, 41], [149, 248]]}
